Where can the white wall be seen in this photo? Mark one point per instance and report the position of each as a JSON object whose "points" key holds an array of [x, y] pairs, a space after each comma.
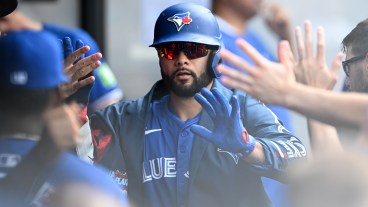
{"points": [[61, 11]]}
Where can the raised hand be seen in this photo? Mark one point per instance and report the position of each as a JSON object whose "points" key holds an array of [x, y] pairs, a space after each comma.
{"points": [[229, 133], [266, 80], [311, 69], [77, 69], [277, 20]]}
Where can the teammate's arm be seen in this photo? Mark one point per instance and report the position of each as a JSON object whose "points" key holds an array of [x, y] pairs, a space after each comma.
{"points": [[311, 70], [274, 83]]}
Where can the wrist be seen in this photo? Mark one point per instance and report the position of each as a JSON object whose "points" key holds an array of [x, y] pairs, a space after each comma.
{"points": [[249, 144], [292, 97]]}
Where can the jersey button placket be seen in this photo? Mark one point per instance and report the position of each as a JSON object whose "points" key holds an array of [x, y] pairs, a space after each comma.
{"points": [[182, 165]]}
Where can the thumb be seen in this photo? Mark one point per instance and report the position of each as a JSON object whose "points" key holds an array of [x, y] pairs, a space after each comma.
{"points": [[286, 56], [336, 64], [284, 52]]}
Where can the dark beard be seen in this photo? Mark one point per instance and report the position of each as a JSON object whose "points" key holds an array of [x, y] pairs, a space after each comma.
{"points": [[186, 91]]}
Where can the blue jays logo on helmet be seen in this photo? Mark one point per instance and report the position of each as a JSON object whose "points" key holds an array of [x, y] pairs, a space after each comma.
{"points": [[180, 20]]}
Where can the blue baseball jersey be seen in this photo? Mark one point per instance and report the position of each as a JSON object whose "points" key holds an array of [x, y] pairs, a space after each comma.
{"points": [[168, 142], [105, 87], [68, 168], [144, 142]]}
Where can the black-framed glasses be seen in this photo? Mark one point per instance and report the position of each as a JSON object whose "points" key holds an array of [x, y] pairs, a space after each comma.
{"points": [[345, 64], [191, 50]]}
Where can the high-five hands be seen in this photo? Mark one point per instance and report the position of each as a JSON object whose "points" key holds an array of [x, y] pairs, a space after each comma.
{"points": [[266, 80], [229, 133], [311, 69], [77, 69]]}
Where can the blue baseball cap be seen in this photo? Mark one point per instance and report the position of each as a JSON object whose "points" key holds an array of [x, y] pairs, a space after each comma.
{"points": [[31, 60], [7, 7]]}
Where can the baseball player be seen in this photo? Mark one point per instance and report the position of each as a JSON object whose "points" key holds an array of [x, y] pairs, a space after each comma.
{"points": [[191, 141], [30, 75]]}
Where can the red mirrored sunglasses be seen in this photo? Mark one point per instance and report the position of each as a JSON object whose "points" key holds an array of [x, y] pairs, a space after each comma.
{"points": [[191, 50]]}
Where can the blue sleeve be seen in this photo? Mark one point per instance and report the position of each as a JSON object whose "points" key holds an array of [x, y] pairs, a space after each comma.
{"points": [[106, 143], [280, 146]]}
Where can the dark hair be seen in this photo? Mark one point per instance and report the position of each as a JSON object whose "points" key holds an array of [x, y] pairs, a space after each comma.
{"points": [[25, 102], [357, 39]]}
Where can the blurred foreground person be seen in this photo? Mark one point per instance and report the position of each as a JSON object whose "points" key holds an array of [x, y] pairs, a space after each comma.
{"points": [[36, 125], [333, 181], [105, 90]]}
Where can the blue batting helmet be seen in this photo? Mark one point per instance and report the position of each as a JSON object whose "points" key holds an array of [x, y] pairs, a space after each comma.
{"points": [[189, 22]]}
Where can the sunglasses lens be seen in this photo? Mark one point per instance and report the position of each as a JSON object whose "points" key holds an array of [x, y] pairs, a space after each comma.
{"points": [[194, 51], [191, 50], [169, 53]]}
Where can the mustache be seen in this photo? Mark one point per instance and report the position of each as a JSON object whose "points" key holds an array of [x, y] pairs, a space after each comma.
{"points": [[183, 70]]}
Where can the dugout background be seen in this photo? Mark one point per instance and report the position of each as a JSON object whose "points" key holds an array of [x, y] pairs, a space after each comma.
{"points": [[124, 29]]}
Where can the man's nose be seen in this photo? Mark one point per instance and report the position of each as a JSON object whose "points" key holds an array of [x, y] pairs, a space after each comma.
{"points": [[182, 59]]}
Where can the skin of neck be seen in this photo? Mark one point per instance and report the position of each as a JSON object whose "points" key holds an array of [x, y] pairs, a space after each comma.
{"points": [[186, 107], [17, 21], [235, 19]]}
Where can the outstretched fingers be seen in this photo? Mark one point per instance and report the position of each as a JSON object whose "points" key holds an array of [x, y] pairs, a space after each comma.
{"points": [[203, 132], [79, 84], [253, 54], [299, 43], [70, 59], [234, 78], [234, 83], [67, 46], [84, 66], [224, 108], [84, 70], [285, 55], [235, 107], [205, 104], [321, 45], [79, 44], [237, 62], [336, 64], [308, 39]]}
